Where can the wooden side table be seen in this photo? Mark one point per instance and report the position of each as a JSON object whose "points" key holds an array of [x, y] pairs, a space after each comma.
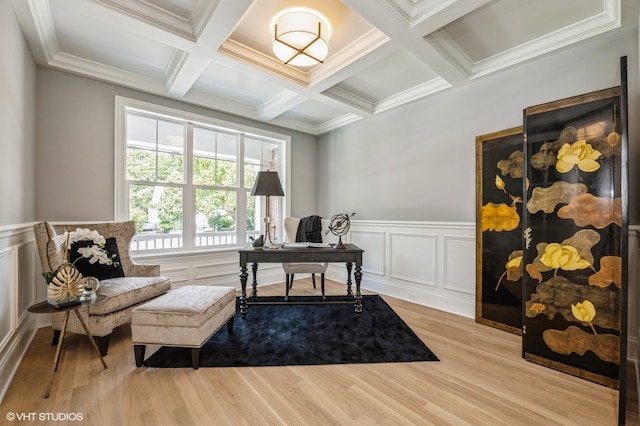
{"points": [[46, 308]]}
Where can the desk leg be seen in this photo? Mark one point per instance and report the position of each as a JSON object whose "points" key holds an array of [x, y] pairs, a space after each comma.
{"points": [[93, 342], [243, 293], [349, 266], [254, 271], [54, 367], [358, 277]]}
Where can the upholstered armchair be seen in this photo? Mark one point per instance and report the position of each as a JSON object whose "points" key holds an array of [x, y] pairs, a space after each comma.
{"points": [[139, 284]]}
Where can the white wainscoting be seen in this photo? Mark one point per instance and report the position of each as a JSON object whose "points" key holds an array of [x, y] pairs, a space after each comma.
{"points": [[221, 268], [429, 263], [18, 290]]}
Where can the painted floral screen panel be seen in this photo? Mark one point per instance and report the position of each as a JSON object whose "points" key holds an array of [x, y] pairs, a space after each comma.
{"points": [[573, 238], [499, 172]]}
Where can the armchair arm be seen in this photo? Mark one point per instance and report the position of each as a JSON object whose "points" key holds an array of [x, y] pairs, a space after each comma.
{"points": [[141, 270]]}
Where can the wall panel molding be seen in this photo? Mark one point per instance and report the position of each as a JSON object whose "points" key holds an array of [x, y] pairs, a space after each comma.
{"points": [[412, 257], [374, 261], [456, 276], [20, 283], [419, 258]]}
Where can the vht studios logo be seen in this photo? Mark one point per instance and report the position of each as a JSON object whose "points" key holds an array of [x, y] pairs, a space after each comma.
{"points": [[51, 417]]}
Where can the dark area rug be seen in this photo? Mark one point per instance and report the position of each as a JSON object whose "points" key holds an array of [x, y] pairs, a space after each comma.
{"points": [[298, 332]]}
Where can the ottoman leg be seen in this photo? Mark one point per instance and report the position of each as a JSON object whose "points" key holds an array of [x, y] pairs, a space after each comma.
{"points": [[195, 358], [230, 325], [138, 350]]}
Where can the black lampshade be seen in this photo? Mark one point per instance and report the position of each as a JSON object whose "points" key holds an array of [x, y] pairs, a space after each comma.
{"points": [[267, 183]]}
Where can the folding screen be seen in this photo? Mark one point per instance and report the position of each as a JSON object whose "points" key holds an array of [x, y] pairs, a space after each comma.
{"points": [[499, 171], [575, 236]]}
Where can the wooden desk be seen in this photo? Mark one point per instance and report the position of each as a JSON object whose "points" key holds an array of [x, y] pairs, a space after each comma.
{"points": [[350, 255], [46, 308]]}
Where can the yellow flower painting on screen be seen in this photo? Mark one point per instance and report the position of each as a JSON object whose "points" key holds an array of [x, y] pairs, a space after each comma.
{"points": [[557, 256], [513, 266], [580, 154], [585, 312]]}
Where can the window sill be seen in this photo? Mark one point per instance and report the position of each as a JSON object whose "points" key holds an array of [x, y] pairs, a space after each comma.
{"points": [[140, 256]]}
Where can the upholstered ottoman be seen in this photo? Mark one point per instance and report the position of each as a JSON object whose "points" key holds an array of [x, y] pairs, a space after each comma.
{"points": [[185, 317]]}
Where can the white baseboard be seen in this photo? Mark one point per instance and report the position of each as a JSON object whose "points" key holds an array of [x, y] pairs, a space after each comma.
{"points": [[407, 291]]}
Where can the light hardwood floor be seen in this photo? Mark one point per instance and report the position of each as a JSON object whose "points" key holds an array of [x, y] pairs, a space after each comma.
{"points": [[480, 379]]}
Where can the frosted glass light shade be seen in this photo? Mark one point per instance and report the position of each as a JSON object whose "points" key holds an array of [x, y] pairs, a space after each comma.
{"points": [[300, 37]]}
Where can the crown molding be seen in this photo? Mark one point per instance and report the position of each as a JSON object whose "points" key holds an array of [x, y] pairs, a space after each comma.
{"points": [[451, 51], [99, 71], [340, 93], [336, 123], [412, 94], [153, 15], [46, 30]]}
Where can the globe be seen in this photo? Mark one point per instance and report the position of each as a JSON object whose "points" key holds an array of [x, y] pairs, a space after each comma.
{"points": [[339, 225]]}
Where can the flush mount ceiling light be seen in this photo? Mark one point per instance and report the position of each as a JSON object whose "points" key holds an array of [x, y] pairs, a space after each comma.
{"points": [[300, 37]]}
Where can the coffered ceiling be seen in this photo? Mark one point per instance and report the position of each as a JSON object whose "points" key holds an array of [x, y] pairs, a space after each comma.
{"points": [[382, 53]]}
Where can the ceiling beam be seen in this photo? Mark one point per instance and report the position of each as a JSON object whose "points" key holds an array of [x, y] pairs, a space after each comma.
{"points": [[187, 66], [408, 26]]}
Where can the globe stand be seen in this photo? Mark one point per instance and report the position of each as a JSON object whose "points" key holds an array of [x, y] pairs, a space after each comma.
{"points": [[339, 226], [339, 245]]}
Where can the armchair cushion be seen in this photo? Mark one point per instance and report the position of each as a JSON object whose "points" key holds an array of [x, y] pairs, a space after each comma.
{"points": [[304, 268], [97, 270], [128, 291]]}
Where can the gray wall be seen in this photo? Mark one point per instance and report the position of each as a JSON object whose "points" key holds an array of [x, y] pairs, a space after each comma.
{"points": [[17, 121], [418, 162], [75, 148], [413, 163]]}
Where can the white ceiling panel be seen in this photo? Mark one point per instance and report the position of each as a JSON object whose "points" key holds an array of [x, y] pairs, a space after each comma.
{"points": [[506, 24], [101, 43], [398, 72], [220, 80], [382, 53]]}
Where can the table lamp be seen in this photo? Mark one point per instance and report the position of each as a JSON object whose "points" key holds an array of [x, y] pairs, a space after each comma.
{"points": [[268, 184]]}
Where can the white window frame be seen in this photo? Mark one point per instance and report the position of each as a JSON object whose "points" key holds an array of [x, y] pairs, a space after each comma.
{"points": [[121, 201]]}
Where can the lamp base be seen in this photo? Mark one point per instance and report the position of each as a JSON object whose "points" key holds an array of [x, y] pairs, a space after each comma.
{"points": [[270, 243]]}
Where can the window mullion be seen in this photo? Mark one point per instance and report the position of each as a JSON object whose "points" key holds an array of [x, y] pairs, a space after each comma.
{"points": [[241, 195], [189, 193]]}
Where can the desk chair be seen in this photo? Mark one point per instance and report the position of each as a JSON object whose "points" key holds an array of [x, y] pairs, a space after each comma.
{"points": [[291, 230]]}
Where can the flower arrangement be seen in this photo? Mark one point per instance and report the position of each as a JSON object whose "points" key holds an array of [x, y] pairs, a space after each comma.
{"points": [[95, 253], [67, 282]]}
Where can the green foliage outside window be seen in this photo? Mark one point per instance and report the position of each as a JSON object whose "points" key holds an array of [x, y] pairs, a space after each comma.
{"points": [[156, 163]]}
